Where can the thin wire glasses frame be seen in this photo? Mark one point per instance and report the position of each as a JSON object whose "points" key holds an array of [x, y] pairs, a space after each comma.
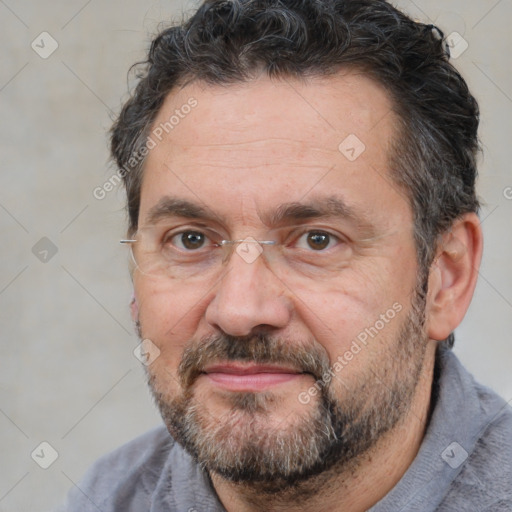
{"points": [[289, 261], [222, 243]]}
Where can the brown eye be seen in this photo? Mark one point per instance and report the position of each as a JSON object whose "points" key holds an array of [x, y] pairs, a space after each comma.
{"points": [[318, 240], [189, 240]]}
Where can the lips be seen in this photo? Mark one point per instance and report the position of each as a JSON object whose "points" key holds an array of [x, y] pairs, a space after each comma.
{"points": [[249, 377]]}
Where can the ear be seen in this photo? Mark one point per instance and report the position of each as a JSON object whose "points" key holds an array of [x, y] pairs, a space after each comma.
{"points": [[453, 276]]}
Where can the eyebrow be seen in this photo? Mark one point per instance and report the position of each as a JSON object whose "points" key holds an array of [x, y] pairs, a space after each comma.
{"points": [[331, 207], [169, 206], [319, 207]]}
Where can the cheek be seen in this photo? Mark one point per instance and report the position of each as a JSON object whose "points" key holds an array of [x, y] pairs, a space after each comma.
{"points": [[169, 318], [361, 308]]}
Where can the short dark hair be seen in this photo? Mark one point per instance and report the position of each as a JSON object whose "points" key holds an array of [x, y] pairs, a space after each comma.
{"points": [[433, 158]]}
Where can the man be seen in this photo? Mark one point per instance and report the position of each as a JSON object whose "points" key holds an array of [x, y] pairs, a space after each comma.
{"points": [[303, 223]]}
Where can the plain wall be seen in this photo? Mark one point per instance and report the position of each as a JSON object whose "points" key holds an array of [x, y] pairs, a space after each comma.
{"points": [[68, 375]]}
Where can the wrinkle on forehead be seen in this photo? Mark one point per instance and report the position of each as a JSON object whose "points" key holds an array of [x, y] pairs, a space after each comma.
{"points": [[272, 145], [251, 154], [269, 123], [256, 143]]}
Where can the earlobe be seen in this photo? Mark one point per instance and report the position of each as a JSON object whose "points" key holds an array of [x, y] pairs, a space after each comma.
{"points": [[453, 276]]}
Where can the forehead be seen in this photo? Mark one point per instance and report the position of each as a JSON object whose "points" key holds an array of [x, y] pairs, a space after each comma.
{"points": [[269, 141], [316, 110]]}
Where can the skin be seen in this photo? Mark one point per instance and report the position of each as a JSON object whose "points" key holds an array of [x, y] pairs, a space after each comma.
{"points": [[242, 152]]}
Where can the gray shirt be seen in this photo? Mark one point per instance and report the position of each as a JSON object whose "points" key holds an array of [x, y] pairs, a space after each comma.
{"points": [[464, 462]]}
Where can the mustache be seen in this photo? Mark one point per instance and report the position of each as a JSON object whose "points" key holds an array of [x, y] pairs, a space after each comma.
{"points": [[304, 357]]}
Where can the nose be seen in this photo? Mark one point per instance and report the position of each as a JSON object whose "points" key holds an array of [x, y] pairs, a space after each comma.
{"points": [[249, 298]]}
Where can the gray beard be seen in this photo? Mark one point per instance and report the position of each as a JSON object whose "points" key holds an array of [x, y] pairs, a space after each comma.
{"points": [[328, 439]]}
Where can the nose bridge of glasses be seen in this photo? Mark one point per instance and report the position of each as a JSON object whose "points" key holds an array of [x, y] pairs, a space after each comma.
{"points": [[248, 240], [249, 249]]}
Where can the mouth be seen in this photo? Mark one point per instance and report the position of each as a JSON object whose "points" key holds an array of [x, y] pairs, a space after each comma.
{"points": [[249, 377]]}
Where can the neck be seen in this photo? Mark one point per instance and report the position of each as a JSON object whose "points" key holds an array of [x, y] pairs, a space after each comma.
{"points": [[355, 488]]}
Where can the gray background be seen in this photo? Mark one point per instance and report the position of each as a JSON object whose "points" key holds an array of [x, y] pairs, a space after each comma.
{"points": [[68, 375]]}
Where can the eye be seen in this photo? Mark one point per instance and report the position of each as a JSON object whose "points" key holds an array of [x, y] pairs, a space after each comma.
{"points": [[317, 240], [188, 240]]}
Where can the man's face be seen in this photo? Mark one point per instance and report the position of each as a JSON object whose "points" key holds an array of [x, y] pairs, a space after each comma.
{"points": [[275, 365]]}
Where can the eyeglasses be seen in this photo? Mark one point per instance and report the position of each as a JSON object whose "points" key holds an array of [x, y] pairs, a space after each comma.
{"points": [[167, 253]]}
